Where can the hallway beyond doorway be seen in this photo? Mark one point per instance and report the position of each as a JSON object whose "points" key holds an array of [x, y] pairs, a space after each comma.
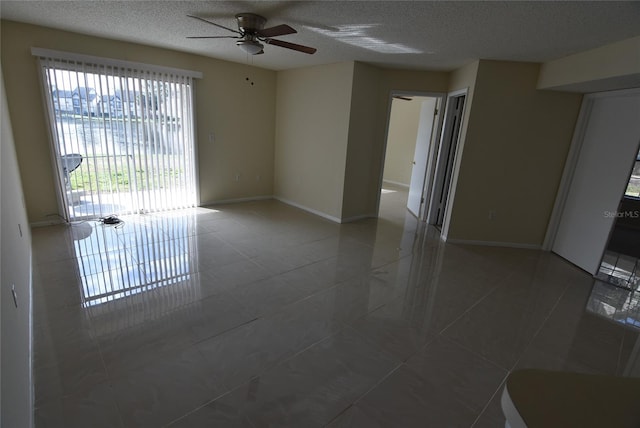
{"points": [[393, 203]]}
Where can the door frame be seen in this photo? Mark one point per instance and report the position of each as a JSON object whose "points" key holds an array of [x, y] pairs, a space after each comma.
{"points": [[440, 105], [440, 168], [62, 197], [571, 165], [568, 172], [446, 131], [105, 70], [572, 160]]}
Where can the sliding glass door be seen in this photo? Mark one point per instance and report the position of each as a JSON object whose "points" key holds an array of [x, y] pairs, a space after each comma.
{"points": [[122, 138]]}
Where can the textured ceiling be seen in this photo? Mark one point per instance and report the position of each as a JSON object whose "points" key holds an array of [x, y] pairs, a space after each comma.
{"points": [[440, 35]]}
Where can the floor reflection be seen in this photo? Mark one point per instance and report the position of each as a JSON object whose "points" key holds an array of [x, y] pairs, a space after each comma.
{"points": [[277, 317], [124, 269], [616, 304], [620, 269]]}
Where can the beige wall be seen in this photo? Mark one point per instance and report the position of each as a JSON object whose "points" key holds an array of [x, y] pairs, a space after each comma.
{"points": [[412, 81], [514, 152], [16, 392], [312, 129], [401, 140], [357, 199], [224, 101], [614, 66]]}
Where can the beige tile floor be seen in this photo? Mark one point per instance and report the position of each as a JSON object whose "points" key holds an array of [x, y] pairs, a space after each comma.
{"points": [[261, 315]]}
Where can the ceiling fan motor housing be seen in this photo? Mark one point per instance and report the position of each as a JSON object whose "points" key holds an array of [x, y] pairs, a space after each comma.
{"points": [[249, 23]]}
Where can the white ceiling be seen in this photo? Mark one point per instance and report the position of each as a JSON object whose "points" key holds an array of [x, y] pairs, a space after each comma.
{"points": [[427, 35]]}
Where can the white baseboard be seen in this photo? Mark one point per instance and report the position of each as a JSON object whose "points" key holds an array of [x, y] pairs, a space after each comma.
{"points": [[324, 215], [397, 183], [236, 201], [240, 200], [494, 244], [358, 217], [310, 210], [202, 204]]}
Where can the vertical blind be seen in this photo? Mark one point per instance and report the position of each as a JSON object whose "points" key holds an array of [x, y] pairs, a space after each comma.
{"points": [[122, 135]]}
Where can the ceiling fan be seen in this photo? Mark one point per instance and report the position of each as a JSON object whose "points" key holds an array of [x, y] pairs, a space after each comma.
{"points": [[251, 33]]}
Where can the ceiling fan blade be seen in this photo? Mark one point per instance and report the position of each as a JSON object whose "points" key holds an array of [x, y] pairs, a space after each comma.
{"points": [[213, 23], [293, 46], [212, 37], [278, 30], [398, 97]]}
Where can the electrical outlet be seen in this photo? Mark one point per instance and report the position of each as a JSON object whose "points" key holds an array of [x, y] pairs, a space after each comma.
{"points": [[238, 177], [258, 177], [492, 215], [211, 138]]}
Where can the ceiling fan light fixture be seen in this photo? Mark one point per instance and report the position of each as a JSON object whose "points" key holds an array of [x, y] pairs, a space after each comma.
{"points": [[251, 33], [252, 47]]}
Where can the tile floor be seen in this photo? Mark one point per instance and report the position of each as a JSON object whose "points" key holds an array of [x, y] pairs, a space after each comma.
{"points": [[261, 315]]}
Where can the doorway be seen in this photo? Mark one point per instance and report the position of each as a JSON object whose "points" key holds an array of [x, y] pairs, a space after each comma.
{"points": [[122, 138], [445, 160], [620, 264], [413, 126], [603, 155]]}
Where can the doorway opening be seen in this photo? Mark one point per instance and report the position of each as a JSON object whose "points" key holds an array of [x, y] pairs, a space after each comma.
{"points": [[429, 163], [445, 161], [412, 130], [602, 157], [620, 264], [122, 138]]}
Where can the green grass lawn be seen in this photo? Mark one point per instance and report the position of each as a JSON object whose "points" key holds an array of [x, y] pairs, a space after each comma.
{"points": [[633, 188], [121, 177]]}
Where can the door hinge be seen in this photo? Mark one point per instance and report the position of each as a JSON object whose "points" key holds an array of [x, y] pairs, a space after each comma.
{"points": [[422, 200], [435, 112]]}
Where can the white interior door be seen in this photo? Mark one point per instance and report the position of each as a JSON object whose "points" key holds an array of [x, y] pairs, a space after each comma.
{"points": [[609, 148], [420, 157]]}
